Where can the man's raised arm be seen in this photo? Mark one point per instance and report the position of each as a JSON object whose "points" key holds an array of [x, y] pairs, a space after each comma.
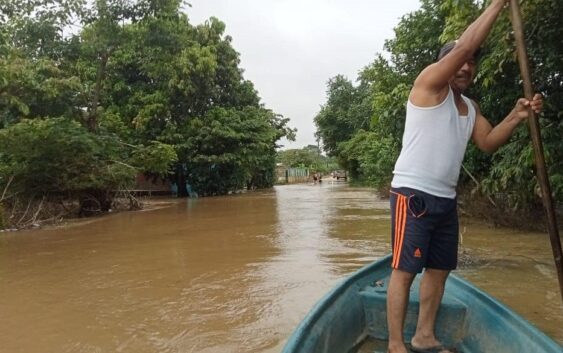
{"points": [[431, 85]]}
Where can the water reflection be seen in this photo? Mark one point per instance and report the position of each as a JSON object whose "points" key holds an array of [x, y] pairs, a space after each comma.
{"points": [[228, 274]]}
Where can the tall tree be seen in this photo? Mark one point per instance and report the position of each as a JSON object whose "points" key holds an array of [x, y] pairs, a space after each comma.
{"points": [[342, 115], [136, 88]]}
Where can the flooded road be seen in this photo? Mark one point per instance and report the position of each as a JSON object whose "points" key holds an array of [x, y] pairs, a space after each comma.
{"points": [[229, 274]]}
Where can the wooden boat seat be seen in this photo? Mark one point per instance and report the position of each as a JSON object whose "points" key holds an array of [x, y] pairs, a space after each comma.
{"points": [[449, 325]]}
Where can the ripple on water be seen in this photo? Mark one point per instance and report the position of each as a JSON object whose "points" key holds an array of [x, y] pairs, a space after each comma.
{"points": [[229, 274]]}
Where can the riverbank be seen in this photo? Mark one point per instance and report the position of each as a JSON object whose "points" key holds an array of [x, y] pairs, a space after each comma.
{"points": [[497, 212], [70, 218]]}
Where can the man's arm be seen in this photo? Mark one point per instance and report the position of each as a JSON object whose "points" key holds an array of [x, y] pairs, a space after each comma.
{"points": [[489, 139], [431, 85]]}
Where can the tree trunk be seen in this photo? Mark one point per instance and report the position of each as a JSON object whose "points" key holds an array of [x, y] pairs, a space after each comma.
{"points": [[92, 122], [181, 180]]}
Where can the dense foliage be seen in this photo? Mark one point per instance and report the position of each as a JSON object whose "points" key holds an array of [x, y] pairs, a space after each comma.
{"points": [[370, 151], [94, 93], [309, 157]]}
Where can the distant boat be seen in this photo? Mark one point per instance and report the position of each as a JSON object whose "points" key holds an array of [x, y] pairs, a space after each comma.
{"points": [[352, 318]]}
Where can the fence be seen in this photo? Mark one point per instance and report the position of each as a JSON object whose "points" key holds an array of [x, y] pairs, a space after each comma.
{"points": [[292, 175]]}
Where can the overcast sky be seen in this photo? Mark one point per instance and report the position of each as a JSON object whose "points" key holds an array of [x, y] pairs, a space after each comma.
{"points": [[290, 48]]}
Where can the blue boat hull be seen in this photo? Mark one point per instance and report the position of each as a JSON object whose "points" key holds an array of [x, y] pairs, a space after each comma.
{"points": [[469, 319]]}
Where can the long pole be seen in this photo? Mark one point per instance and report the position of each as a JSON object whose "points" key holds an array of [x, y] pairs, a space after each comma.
{"points": [[516, 19]]}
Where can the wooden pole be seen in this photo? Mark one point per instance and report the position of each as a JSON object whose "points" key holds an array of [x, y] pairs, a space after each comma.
{"points": [[541, 173]]}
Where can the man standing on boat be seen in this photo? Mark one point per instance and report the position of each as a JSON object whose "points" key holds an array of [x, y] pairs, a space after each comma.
{"points": [[425, 231]]}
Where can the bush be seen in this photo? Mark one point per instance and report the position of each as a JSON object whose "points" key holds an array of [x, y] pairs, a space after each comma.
{"points": [[59, 156]]}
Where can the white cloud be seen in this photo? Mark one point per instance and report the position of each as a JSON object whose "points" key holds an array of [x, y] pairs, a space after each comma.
{"points": [[290, 48]]}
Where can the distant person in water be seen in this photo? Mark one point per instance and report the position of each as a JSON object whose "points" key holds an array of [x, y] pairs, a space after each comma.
{"points": [[440, 121]]}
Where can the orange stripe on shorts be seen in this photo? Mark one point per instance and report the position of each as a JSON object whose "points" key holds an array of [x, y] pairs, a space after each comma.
{"points": [[400, 222]]}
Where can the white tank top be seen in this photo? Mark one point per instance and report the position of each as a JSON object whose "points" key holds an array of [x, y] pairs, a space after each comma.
{"points": [[434, 144]]}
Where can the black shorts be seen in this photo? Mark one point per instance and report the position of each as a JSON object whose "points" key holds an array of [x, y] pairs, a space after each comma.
{"points": [[424, 231]]}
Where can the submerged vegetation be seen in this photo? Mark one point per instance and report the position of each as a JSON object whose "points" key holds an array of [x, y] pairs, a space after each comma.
{"points": [[362, 125], [94, 93]]}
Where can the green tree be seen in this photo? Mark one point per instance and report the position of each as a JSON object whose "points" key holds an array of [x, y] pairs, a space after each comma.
{"points": [[336, 122], [169, 77], [137, 89], [228, 149], [293, 158], [309, 156], [58, 158], [373, 157]]}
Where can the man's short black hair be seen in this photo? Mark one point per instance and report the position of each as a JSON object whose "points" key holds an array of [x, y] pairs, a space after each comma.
{"points": [[448, 48]]}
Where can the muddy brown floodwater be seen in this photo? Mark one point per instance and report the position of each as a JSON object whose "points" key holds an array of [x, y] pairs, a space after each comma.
{"points": [[229, 274]]}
